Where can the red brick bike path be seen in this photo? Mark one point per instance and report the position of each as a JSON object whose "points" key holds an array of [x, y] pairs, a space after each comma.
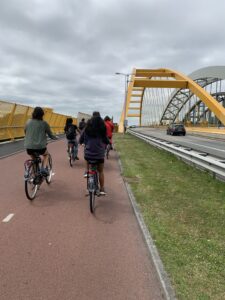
{"points": [[54, 248]]}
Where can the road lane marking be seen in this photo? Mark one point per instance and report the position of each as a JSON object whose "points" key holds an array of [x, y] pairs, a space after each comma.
{"points": [[207, 147], [213, 148], [8, 218]]}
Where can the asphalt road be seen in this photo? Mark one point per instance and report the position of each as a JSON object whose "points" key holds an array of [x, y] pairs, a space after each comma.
{"points": [[209, 145], [8, 148], [54, 249], [12, 147]]}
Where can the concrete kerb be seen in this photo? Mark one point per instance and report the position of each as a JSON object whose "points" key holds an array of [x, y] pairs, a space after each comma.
{"points": [[167, 289]]}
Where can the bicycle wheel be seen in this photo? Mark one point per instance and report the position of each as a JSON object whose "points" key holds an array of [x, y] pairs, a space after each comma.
{"points": [[31, 186], [49, 167], [107, 151], [75, 151], [92, 201], [71, 156], [91, 189]]}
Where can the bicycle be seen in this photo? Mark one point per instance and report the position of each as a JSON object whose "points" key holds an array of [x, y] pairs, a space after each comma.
{"points": [[33, 176], [92, 184], [72, 152], [108, 148]]}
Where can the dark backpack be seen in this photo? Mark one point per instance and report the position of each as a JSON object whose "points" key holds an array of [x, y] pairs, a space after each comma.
{"points": [[71, 132]]}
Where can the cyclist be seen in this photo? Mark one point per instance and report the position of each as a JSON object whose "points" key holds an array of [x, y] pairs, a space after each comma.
{"points": [[36, 131], [71, 132], [109, 129], [94, 138], [82, 124]]}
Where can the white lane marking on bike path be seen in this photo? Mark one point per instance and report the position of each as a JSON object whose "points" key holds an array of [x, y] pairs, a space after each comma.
{"points": [[8, 218]]}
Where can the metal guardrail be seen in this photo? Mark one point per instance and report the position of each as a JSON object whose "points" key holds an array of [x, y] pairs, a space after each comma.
{"points": [[201, 160]]}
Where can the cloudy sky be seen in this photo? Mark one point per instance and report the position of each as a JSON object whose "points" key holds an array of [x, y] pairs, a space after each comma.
{"points": [[64, 53]]}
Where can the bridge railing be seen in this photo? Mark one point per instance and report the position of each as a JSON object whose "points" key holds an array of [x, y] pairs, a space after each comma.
{"points": [[13, 118]]}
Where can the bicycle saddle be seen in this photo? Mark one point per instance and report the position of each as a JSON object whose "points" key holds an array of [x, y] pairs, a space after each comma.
{"points": [[92, 162]]}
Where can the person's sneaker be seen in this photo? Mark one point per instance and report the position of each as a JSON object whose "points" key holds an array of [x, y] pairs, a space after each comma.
{"points": [[77, 158], [85, 175], [44, 172], [102, 192]]}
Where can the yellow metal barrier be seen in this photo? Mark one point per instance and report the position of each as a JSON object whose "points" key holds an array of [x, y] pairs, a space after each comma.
{"points": [[13, 118]]}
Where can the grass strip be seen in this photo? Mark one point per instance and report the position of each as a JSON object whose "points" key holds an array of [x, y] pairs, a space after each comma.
{"points": [[184, 209]]}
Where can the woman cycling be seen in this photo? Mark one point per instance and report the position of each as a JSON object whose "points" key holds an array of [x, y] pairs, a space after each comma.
{"points": [[94, 138], [36, 131], [109, 129], [71, 132]]}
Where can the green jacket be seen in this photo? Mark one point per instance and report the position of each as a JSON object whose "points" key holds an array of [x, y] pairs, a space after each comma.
{"points": [[36, 132]]}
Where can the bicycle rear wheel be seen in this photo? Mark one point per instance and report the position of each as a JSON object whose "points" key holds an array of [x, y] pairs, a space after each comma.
{"points": [[49, 167], [92, 201], [107, 151], [31, 186], [71, 156], [92, 191]]}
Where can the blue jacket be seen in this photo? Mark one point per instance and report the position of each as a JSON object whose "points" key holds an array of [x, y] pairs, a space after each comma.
{"points": [[94, 146]]}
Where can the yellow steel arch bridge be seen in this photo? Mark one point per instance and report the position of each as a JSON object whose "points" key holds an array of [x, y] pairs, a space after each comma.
{"points": [[161, 96]]}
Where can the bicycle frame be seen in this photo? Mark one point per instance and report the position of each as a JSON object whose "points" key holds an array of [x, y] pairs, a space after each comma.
{"points": [[36, 164]]}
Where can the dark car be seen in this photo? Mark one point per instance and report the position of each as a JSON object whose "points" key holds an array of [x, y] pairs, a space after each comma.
{"points": [[176, 129]]}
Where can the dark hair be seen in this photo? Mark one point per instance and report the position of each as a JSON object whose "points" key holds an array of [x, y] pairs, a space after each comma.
{"points": [[38, 113], [96, 114], [95, 127], [83, 119], [107, 118], [69, 121]]}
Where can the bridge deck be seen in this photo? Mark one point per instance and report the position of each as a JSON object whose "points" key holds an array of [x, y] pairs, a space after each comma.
{"points": [[53, 248]]}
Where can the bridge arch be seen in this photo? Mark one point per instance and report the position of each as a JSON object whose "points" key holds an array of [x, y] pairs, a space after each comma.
{"points": [[186, 86], [178, 99]]}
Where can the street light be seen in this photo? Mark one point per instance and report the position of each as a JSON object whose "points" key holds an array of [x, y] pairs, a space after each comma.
{"points": [[126, 76]]}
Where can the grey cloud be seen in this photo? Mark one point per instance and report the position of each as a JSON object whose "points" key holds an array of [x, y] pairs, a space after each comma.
{"points": [[64, 54]]}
